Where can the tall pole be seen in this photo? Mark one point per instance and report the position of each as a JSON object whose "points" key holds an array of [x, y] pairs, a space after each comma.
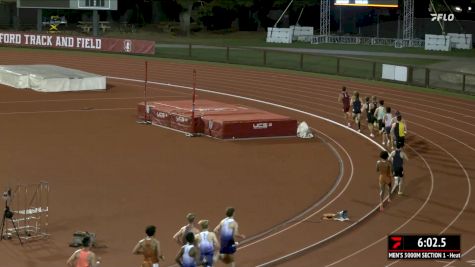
{"points": [[193, 103], [377, 25], [341, 26], [145, 92]]}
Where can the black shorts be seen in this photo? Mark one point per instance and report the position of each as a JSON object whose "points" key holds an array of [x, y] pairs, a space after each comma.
{"points": [[380, 124], [399, 172], [370, 118], [400, 140]]}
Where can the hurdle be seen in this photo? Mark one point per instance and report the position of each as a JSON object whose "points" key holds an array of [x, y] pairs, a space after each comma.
{"points": [[30, 206]]}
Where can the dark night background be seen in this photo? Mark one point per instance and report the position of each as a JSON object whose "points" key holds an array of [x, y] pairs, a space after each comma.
{"points": [[187, 16]]}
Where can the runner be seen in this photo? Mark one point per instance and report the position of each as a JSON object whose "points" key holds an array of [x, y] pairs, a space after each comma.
{"points": [[356, 109], [83, 257], [387, 120], [369, 107], [179, 237], [344, 98], [228, 231], [379, 115], [188, 256], [399, 129], [149, 247], [208, 244], [384, 168], [398, 157]]}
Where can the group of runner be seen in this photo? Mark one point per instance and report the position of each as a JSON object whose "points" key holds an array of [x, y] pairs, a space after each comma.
{"points": [[201, 247], [198, 247], [392, 129]]}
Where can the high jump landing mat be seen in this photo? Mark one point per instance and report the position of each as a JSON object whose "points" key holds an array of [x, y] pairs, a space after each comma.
{"points": [[217, 119]]}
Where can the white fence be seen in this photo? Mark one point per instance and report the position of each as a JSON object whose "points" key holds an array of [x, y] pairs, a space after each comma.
{"points": [[437, 42]]}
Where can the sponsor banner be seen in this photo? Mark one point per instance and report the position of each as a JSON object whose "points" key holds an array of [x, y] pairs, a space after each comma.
{"points": [[128, 46]]}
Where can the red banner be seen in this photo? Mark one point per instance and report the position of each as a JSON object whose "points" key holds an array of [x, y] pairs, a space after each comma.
{"points": [[128, 46]]}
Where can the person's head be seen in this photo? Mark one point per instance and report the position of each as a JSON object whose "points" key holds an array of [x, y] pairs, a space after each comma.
{"points": [[388, 110], [398, 113], [381, 102], [86, 241], [150, 230], [343, 89], [204, 224], [190, 237], [190, 217], [356, 94], [230, 212], [399, 117], [367, 99], [384, 155], [374, 98]]}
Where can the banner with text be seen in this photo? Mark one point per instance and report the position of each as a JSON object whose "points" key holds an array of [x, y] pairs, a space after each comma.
{"points": [[128, 46]]}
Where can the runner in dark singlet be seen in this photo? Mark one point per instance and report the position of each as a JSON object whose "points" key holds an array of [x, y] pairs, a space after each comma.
{"points": [[398, 157], [356, 109]]}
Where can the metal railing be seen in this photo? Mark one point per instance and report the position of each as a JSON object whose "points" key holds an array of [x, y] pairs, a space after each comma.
{"points": [[361, 40], [463, 82]]}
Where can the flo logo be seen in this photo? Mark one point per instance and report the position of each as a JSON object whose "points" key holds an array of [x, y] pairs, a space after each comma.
{"points": [[128, 46], [442, 17]]}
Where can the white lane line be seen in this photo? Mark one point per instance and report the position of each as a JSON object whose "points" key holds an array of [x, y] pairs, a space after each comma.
{"points": [[466, 252], [84, 99], [320, 91], [64, 111], [389, 91], [352, 225], [289, 93]]}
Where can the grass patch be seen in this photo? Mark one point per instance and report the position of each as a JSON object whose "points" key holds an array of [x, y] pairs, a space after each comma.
{"points": [[259, 39]]}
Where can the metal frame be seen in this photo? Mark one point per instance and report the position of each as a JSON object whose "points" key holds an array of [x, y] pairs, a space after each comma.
{"points": [[408, 21], [325, 17], [30, 205], [406, 41]]}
